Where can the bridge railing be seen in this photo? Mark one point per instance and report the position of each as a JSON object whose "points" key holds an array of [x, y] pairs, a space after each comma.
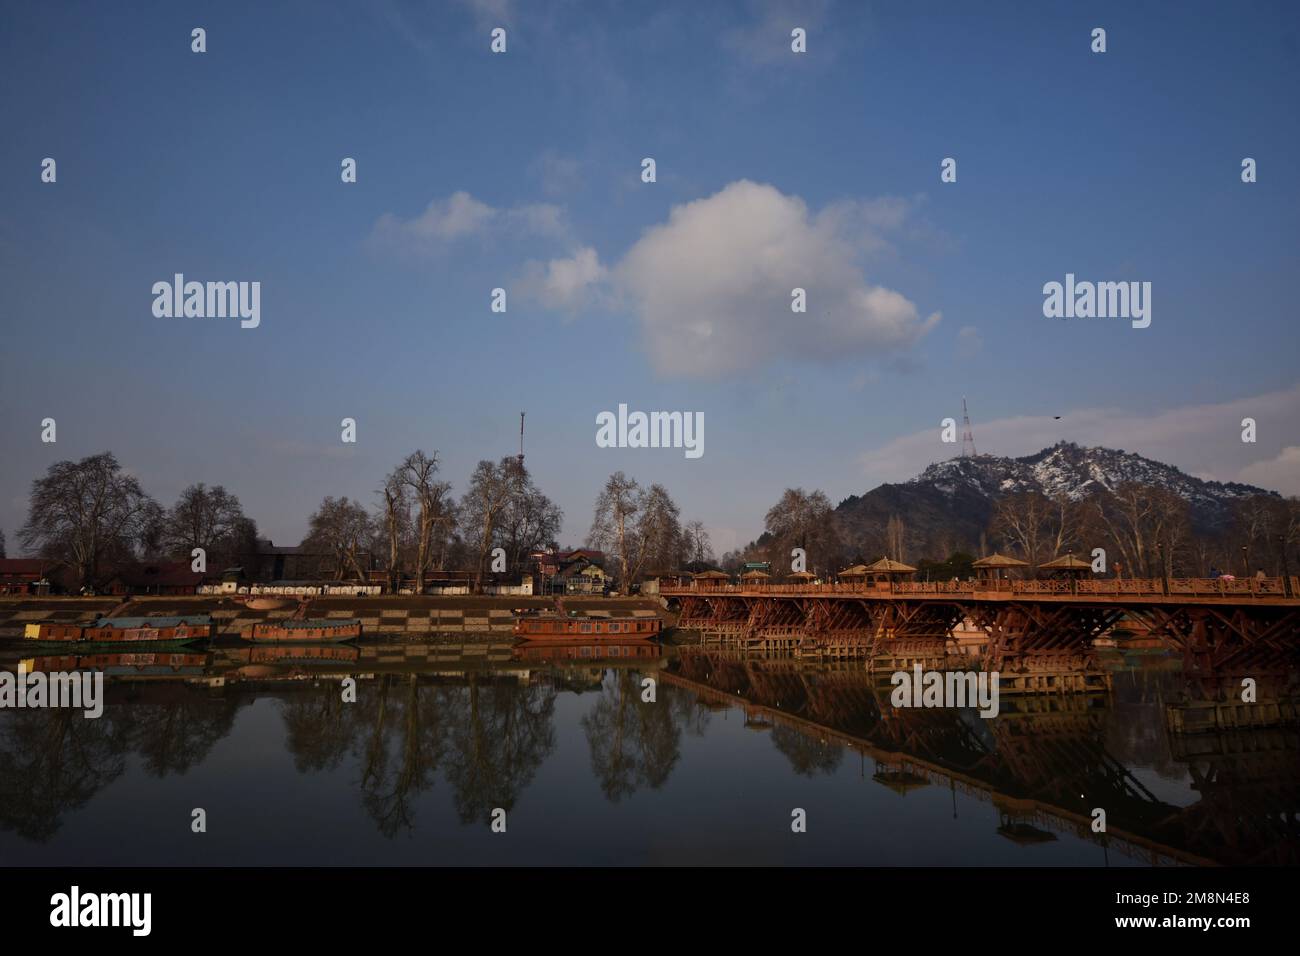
{"points": [[1120, 587]]}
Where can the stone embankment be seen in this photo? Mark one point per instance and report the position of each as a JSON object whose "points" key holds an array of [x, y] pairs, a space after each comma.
{"points": [[391, 616]]}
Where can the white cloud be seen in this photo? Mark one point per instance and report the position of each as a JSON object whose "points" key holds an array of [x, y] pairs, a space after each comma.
{"points": [[493, 13], [712, 286], [460, 217], [765, 39], [567, 284], [1204, 440], [1277, 474]]}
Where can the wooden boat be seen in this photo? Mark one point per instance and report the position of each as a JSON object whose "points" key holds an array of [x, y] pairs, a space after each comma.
{"points": [[555, 626], [132, 664], [307, 631], [587, 650], [126, 630], [299, 653], [266, 603]]}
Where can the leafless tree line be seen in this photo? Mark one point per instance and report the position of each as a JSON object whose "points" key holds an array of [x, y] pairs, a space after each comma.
{"points": [[418, 526], [92, 514], [1145, 531], [641, 529]]}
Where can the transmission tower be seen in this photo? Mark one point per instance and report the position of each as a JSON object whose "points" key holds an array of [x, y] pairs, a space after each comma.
{"points": [[967, 436], [521, 439]]}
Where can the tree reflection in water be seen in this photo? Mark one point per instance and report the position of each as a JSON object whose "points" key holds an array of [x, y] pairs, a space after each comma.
{"points": [[633, 743], [51, 763], [401, 750], [808, 756], [173, 735], [499, 733]]}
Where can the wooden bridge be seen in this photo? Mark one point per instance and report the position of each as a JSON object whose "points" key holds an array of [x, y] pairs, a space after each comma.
{"points": [[1039, 634]]}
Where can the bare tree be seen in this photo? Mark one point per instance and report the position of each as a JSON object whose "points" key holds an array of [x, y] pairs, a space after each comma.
{"points": [[396, 522], [529, 521], [340, 526], [1143, 522], [433, 498], [81, 511], [490, 488], [1262, 526], [207, 518], [896, 535], [611, 528], [802, 519], [1034, 525], [658, 532], [698, 547]]}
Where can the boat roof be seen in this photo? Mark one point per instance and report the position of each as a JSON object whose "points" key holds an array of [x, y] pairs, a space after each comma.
{"points": [[592, 615], [125, 623], [314, 622]]}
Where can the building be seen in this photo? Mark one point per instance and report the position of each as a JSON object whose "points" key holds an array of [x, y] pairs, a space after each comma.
{"points": [[558, 571], [30, 575], [161, 577], [298, 563], [580, 578], [653, 581]]}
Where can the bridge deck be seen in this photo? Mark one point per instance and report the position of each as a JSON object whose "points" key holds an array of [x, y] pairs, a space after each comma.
{"points": [[1214, 591]]}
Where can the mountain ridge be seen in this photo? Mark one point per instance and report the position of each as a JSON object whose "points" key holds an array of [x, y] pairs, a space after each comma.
{"points": [[950, 503]]}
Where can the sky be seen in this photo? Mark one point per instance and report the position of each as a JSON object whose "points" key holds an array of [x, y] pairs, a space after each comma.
{"points": [[523, 171]]}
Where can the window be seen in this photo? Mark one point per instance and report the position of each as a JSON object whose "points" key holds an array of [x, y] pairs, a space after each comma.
{"points": [[586, 628]]}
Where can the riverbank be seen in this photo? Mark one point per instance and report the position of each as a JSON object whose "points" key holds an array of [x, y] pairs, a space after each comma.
{"points": [[392, 616]]}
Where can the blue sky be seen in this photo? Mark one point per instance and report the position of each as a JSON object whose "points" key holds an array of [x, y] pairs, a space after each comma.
{"points": [[478, 170]]}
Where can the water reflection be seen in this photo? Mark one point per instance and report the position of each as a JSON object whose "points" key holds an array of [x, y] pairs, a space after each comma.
{"points": [[1046, 762], [487, 727]]}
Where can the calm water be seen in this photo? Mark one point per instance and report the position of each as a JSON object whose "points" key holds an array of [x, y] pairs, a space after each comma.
{"points": [[589, 773]]}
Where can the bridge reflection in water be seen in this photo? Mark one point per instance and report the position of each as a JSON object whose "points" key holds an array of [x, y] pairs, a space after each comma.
{"points": [[1043, 762]]}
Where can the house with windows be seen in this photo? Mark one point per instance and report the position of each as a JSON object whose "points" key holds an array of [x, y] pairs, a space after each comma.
{"points": [[569, 572], [31, 576]]}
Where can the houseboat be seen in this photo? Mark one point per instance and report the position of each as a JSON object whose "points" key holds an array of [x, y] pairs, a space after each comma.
{"points": [[532, 650], [127, 664], [554, 626], [126, 630], [307, 631]]}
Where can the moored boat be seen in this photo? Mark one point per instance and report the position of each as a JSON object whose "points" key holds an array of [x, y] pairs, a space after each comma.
{"points": [[126, 630], [563, 650], [309, 631], [151, 663], [552, 626]]}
